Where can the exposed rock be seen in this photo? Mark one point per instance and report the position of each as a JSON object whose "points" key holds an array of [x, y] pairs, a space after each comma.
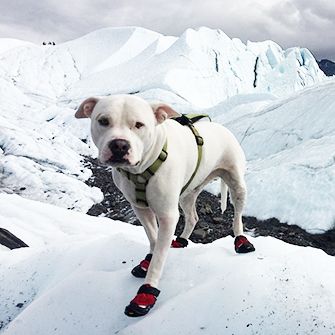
{"points": [[10, 241], [199, 233], [212, 224], [327, 66]]}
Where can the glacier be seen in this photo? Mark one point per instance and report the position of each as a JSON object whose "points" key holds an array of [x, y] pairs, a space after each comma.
{"points": [[290, 148], [75, 276], [277, 102]]}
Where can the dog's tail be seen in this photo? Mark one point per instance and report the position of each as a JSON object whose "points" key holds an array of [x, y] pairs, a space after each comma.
{"points": [[224, 192]]}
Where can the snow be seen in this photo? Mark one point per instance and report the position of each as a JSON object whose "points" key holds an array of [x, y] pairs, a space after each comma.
{"points": [[75, 276], [131, 59], [75, 279], [41, 149], [277, 102], [10, 43], [290, 148]]}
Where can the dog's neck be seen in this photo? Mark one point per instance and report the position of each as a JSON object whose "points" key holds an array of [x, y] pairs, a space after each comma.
{"points": [[152, 152]]}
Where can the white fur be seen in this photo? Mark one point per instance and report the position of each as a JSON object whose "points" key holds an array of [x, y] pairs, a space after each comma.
{"points": [[222, 157]]}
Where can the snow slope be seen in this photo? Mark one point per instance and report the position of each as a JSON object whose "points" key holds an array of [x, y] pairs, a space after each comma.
{"points": [[41, 144], [290, 148], [40, 151], [75, 279], [10, 43], [133, 59]]}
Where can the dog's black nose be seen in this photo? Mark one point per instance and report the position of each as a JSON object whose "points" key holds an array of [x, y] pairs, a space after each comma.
{"points": [[119, 148]]}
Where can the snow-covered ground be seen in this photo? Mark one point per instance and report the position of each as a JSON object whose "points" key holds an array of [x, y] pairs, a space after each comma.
{"points": [[75, 276], [75, 279], [256, 89]]}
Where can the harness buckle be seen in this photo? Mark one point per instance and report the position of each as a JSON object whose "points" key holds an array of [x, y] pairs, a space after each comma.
{"points": [[199, 140], [163, 155]]}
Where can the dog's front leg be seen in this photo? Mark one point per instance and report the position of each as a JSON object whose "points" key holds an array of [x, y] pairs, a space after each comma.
{"points": [[148, 293], [167, 226], [149, 222]]}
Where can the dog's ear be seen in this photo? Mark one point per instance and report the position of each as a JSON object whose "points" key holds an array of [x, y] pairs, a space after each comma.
{"points": [[163, 112], [86, 108]]}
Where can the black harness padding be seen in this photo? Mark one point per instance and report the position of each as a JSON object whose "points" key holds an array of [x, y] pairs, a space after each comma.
{"points": [[188, 120]]}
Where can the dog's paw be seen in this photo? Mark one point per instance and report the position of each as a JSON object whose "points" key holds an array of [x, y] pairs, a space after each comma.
{"points": [[242, 245], [140, 271], [145, 299], [179, 242]]}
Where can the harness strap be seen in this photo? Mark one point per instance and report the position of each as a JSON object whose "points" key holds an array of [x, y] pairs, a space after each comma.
{"points": [[200, 143], [196, 117], [141, 180], [188, 120]]}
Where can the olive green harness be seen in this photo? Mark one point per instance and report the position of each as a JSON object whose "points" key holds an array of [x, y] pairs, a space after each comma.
{"points": [[141, 180]]}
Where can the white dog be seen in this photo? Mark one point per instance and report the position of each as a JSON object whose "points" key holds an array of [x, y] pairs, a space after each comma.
{"points": [[134, 136]]}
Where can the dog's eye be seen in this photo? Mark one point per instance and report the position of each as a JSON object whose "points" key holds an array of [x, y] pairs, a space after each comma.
{"points": [[103, 122], [139, 125]]}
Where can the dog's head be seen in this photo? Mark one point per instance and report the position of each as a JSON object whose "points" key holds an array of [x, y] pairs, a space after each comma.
{"points": [[123, 127]]}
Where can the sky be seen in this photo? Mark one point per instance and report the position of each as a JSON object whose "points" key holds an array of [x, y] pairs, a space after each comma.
{"points": [[304, 23]]}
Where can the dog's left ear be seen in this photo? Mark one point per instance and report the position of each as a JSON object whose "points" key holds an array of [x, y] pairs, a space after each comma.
{"points": [[86, 108], [163, 112]]}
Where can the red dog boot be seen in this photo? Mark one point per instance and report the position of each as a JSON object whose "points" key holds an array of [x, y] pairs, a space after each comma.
{"points": [[242, 245], [140, 271], [179, 242], [143, 302]]}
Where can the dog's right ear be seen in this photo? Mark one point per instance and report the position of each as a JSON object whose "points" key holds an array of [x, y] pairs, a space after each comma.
{"points": [[163, 111], [86, 108]]}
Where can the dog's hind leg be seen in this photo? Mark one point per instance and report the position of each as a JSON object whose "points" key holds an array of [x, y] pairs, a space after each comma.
{"points": [[187, 204], [238, 191], [224, 194]]}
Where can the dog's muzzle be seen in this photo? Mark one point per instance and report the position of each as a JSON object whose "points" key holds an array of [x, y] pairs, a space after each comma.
{"points": [[119, 149]]}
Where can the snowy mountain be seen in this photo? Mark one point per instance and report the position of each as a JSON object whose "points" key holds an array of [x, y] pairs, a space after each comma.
{"points": [[75, 279], [244, 86], [137, 60]]}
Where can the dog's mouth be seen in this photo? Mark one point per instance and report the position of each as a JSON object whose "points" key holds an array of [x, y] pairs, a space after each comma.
{"points": [[108, 158], [117, 161]]}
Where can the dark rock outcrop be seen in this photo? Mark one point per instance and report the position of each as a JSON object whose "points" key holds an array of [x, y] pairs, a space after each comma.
{"points": [[327, 66], [10, 241], [212, 224]]}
